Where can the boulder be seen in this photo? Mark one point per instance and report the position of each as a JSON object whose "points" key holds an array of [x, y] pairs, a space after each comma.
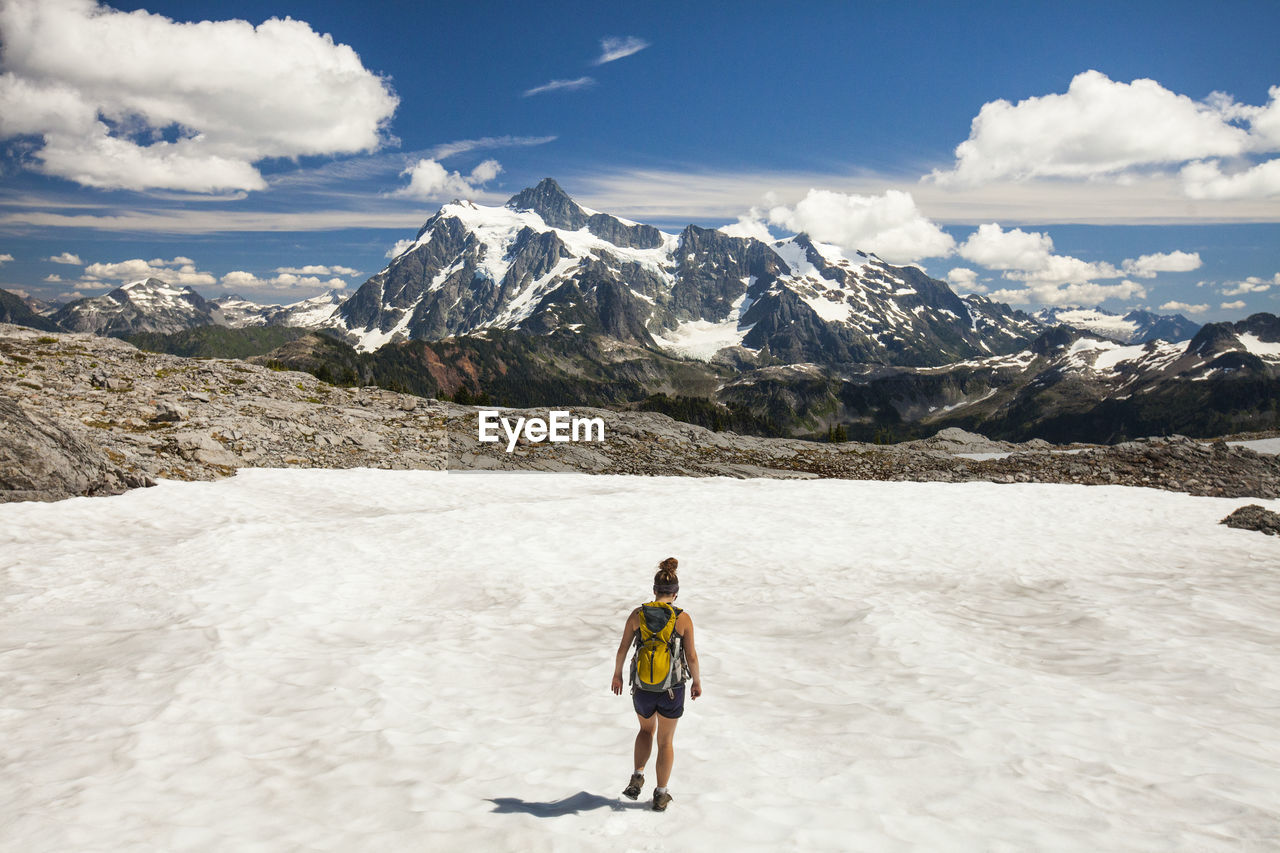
{"points": [[1254, 517], [43, 461]]}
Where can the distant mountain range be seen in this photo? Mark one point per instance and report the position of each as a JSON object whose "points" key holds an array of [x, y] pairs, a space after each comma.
{"points": [[1136, 327], [543, 301], [543, 262]]}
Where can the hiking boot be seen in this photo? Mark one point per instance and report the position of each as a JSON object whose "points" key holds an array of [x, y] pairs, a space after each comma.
{"points": [[660, 801], [632, 791]]}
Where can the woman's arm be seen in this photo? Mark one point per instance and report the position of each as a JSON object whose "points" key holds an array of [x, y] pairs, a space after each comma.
{"points": [[690, 655], [628, 637]]}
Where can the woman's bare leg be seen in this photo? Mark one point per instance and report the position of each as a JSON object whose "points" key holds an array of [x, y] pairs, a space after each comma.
{"points": [[666, 748], [644, 740]]}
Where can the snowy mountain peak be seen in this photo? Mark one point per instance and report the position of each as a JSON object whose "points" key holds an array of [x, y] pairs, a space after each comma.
{"points": [[152, 284], [552, 203], [153, 291], [147, 305], [317, 312], [543, 263]]}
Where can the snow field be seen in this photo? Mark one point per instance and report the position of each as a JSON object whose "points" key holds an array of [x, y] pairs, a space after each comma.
{"points": [[376, 660]]}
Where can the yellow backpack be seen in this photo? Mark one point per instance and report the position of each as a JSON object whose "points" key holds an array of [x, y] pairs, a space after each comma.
{"points": [[658, 665]]}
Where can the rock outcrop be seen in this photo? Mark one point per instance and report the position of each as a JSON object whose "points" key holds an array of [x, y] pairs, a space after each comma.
{"points": [[653, 444], [123, 417], [1254, 517], [41, 460]]}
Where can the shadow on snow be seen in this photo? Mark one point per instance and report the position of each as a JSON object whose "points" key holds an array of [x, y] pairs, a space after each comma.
{"points": [[579, 802]]}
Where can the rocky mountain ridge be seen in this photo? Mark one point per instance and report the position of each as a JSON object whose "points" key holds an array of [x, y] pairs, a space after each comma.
{"points": [[91, 415], [1070, 385]]}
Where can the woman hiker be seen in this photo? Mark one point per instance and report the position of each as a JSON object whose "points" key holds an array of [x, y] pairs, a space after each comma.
{"points": [[665, 659]]}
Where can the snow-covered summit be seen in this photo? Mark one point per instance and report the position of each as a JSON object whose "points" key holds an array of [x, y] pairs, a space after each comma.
{"points": [[317, 312], [542, 263], [148, 305]]}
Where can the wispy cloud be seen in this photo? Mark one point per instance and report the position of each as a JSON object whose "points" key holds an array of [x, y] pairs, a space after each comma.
{"points": [[614, 47], [1184, 307], [340, 179], [682, 194], [205, 220], [561, 85], [485, 143], [318, 269]]}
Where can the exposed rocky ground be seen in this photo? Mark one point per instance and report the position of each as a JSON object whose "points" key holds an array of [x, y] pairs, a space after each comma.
{"points": [[90, 415], [652, 444], [138, 415], [1254, 517]]}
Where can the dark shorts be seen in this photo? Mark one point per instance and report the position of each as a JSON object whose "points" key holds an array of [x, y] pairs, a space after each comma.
{"points": [[647, 703]]}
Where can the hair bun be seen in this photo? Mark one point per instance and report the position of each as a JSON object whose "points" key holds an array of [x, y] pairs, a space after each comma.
{"points": [[666, 575]]}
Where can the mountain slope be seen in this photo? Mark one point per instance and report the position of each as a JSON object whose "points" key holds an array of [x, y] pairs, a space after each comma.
{"points": [[14, 309]]}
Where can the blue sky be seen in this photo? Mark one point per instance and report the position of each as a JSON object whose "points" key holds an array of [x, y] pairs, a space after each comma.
{"points": [[1117, 154]]}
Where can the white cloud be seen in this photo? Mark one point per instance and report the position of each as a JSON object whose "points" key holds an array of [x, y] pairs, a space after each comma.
{"points": [[67, 258], [749, 225], [462, 146], [18, 291], [1099, 127], [399, 248], [1252, 284], [1205, 180], [1052, 279], [1265, 121], [167, 105], [1048, 279], [1146, 266], [317, 269], [561, 85], [1064, 269], [1184, 307], [53, 277], [1232, 306], [242, 280], [429, 180], [997, 249], [1028, 256], [965, 279], [890, 225], [179, 270], [612, 48], [1087, 293], [486, 171], [4, 259]]}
